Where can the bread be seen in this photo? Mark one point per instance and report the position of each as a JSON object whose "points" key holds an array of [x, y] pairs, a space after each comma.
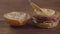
{"points": [[42, 11], [46, 12], [47, 25], [16, 18]]}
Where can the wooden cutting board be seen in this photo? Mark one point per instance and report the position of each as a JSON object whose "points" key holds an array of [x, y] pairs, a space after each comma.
{"points": [[23, 5]]}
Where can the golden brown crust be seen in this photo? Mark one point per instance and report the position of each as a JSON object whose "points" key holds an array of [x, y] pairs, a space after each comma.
{"points": [[17, 22], [47, 25]]}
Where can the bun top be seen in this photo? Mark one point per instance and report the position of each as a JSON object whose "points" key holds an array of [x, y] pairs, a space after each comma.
{"points": [[15, 15], [45, 12], [48, 12], [42, 11]]}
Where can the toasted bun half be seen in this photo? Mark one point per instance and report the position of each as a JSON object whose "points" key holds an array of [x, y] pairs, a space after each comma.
{"points": [[47, 25], [42, 11], [45, 12], [16, 18]]}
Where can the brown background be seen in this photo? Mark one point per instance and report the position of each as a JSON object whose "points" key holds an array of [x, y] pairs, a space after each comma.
{"points": [[23, 5]]}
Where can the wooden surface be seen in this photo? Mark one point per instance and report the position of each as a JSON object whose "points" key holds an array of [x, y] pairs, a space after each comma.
{"points": [[23, 5]]}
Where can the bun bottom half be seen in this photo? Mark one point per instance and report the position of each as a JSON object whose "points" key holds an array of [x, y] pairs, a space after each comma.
{"points": [[47, 25], [16, 22]]}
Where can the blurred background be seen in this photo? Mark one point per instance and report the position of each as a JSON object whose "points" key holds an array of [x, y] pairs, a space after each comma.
{"points": [[23, 5]]}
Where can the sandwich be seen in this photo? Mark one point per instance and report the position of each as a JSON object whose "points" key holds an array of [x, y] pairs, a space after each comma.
{"points": [[44, 18]]}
